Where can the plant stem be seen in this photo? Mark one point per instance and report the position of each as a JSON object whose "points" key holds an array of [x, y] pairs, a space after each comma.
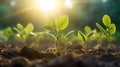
{"points": [[85, 47], [58, 47], [65, 49], [24, 40], [57, 42], [107, 47]]}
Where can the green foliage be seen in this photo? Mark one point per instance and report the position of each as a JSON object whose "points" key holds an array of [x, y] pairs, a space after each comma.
{"points": [[62, 22], [84, 37], [109, 30], [106, 20], [54, 30], [24, 32], [98, 36], [49, 23], [3, 38], [100, 27], [5, 34], [8, 32]]}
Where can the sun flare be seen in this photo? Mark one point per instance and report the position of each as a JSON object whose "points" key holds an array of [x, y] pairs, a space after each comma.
{"points": [[68, 3], [46, 5]]}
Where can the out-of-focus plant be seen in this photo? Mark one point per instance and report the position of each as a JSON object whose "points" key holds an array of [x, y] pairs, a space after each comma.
{"points": [[6, 34], [3, 38], [109, 30], [24, 32], [85, 37], [98, 36], [9, 32], [67, 40], [54, 30]]}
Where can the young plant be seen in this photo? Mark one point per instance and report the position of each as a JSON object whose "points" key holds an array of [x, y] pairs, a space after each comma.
{"points": [[108, 31], [6, 34], [85, 37], [67, 39], [3, 38], [24, 32], [55, 29]]}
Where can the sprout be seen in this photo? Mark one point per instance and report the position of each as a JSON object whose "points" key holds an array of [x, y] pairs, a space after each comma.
{"points": [[108, 31], [55, 28], [84, 37], [24, 32]]}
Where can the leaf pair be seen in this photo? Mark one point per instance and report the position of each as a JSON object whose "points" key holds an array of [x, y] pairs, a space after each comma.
{"points": [[24, 31], [29, 28], [110, 27], [109, 31], [84, 36], [54, 29], [61, 23]]}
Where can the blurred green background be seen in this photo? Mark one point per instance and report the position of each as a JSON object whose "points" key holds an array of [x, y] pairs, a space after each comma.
{"points": [[83, 12]]}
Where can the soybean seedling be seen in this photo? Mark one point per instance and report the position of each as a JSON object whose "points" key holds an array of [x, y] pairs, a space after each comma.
{"points": [[24, 32], [108, 31], [84, 37], [67, 39], [55, 29]]}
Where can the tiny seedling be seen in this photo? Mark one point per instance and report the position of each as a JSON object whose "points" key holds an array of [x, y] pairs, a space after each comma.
{"points": [[8, 32], [84, 37], [3, 38], [24, 32], [5, 34], [108, 31], [67, 39], [98, 36], [55, 29]]}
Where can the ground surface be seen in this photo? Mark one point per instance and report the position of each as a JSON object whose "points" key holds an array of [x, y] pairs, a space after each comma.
{"points": [[30, 57]]}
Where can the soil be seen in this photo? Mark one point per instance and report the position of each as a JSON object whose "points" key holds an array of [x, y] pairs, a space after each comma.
{"points": [[31, 57]]}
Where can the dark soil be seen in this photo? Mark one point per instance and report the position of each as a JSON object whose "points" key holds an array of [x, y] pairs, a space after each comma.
{"points": [[29, 57]]}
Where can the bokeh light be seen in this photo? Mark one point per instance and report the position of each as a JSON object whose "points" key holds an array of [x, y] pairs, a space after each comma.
{"points": [[104, 1], [68, 3], [12, 3], [46, 5]]}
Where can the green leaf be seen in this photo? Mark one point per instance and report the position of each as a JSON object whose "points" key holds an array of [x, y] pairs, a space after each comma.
{"points": [[62, 22], [100, 27], [16, 29], [69, 33], [90, 33], [87, 29], [49, 23], [29, 28], [20, 26], [106, 20], [8, 32], [113, 28], [51, 35], [3, 38], [81, 37]]}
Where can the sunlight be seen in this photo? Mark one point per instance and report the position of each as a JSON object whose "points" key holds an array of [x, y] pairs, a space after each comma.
{"points": [[46, 5], [68, 3]]}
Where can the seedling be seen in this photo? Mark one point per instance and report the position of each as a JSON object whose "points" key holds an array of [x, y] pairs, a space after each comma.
{"points": [[98, 36], [84, 37], [5, 34], [108, 31], [67, 39], [24, 32], [8, 32], [3, 38], [55, 29]]}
